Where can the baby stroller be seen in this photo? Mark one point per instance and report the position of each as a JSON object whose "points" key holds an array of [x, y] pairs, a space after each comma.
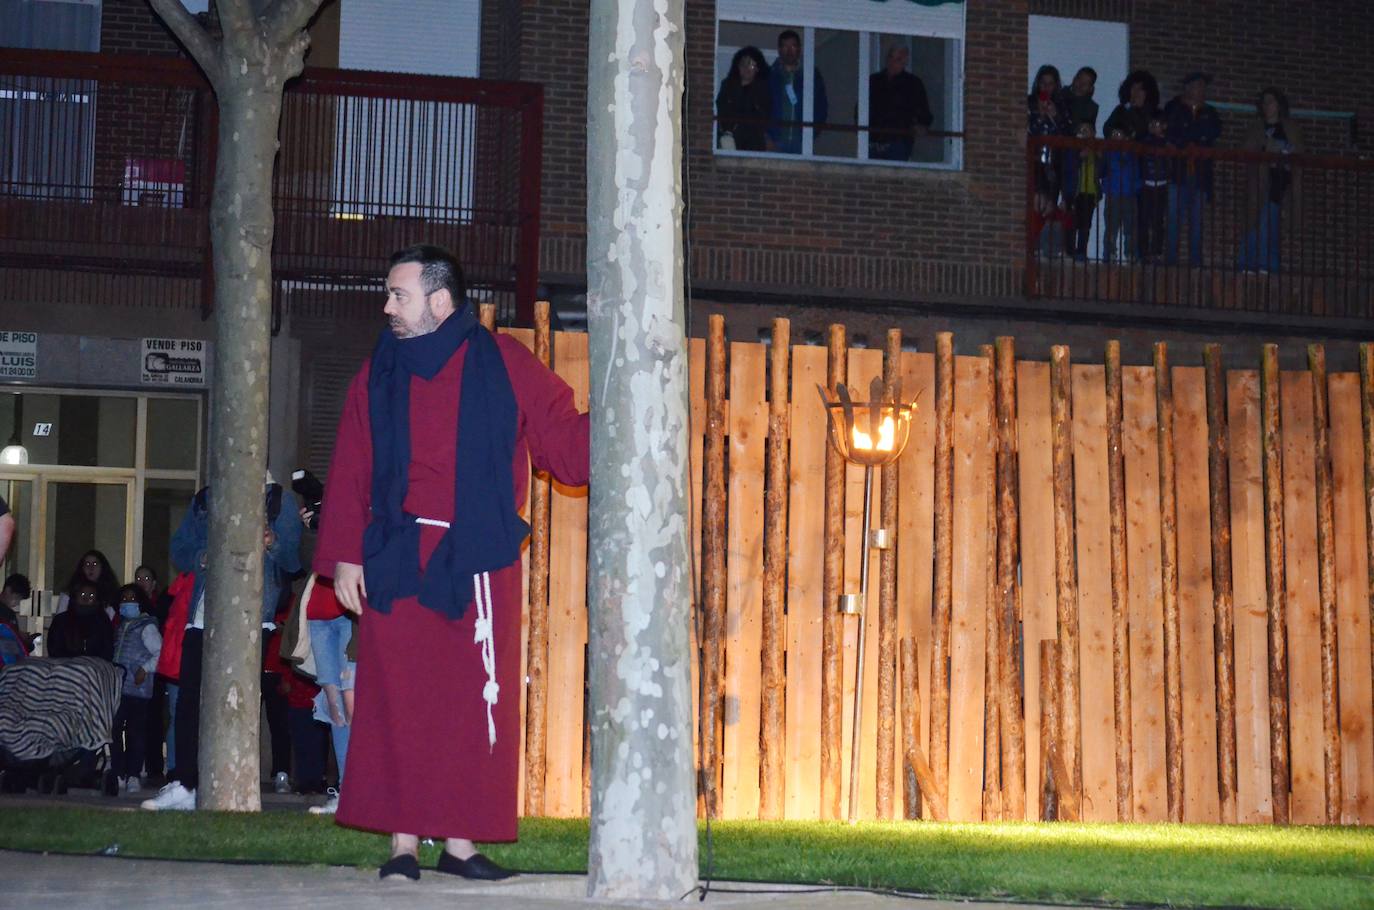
{"points": [[55, 720]]}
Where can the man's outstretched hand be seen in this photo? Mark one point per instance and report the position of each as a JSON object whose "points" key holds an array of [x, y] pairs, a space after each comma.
{"points": [[349, 586]]}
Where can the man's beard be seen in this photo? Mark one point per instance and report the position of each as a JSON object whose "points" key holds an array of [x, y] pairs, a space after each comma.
{"points": [[427, 323]]}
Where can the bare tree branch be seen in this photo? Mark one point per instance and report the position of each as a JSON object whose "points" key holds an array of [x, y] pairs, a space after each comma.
{"points": [[287, 17], [190, 33]]}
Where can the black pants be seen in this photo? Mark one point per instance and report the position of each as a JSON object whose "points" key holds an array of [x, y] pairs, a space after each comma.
{"points": [[278, 725], [1083, 207], [310, 741], [156, 729], [1154, 209], [187, 731], [129, 736]]}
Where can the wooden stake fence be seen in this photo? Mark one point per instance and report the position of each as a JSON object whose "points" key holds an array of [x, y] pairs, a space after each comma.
{"points": [[1223, 601], [1121, 648], [1006, 544]]}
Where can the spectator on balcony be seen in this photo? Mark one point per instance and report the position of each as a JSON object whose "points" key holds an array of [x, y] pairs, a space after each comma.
{"points": [[1082, 187], [898, 108], [1044, 117], [1121, 186], [1270, 183], [744, 103], [1077, 99], [788, 89], [1138, 97], [1154, 189], [1192, 124]]}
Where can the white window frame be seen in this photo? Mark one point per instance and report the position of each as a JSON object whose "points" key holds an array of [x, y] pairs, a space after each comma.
{"points": [[787, 16]]}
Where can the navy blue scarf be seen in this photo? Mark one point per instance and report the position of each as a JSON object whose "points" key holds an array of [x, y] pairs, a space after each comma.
{"points": [[486, 532]]}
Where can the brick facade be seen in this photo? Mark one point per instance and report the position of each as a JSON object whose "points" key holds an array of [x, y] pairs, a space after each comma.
{"points": [[868, 234]]}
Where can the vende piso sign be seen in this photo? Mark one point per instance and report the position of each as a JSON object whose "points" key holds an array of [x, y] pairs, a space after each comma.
{"points": [[18, 355], [173, 361]]}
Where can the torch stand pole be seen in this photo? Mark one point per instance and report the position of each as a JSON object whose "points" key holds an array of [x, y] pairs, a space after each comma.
{"points": [[855, 748]]}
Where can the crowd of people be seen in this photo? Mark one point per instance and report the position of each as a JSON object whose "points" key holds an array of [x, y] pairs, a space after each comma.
{"points": [[1150, 194], [759, 107], [154, 635]]}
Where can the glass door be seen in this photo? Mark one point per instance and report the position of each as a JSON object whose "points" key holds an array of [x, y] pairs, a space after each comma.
{"points": [[83, 514]]}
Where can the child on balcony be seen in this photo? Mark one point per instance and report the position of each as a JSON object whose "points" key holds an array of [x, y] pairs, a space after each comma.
{"points": [[1082, 187], [1154, 190]]}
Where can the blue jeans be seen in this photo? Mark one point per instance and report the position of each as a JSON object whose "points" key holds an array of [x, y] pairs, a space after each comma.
{"points": [[1261, 247], [1190, 195], [329, 640]]}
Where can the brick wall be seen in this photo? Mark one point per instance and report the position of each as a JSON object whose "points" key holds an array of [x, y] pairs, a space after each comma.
{"points": [[875, 233], [131, 27]]}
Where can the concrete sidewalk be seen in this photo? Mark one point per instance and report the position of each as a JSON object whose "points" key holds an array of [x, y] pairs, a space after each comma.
{"points": [[39, 880]]}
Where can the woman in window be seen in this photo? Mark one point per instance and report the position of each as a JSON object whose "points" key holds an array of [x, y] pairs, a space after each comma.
{"points": [[744, 103], [1139, 97], [1271, 183], [1045, 118]]}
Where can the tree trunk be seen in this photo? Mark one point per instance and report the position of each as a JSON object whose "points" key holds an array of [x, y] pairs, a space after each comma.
{"points": [[643, 806]]}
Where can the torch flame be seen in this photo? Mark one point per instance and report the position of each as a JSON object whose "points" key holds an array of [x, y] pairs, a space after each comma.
{"points": [[887, 437]]}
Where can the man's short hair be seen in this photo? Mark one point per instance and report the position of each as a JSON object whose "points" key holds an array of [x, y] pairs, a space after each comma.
{"points": [[1089, 70], [788, 33], [19, 584], [439, 270]]}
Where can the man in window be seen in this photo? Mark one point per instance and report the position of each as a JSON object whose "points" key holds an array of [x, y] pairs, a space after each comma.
{"points": [[898, 109], [785, 79]]}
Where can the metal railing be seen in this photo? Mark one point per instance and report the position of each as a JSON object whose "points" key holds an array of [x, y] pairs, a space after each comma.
{"points": [[1265, 232], [107, 165]]}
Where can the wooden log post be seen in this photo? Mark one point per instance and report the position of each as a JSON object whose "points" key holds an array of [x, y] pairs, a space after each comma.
{"points": [[537, 662], [774, 632], [1276, 591], [1223, 597], [1367, 422], [1168, 551], [1049, 729], [713, 543], [1326, 575], [992, 627], [890, 484], [1066, 578], [934, 797], [832, 584], [1008, 560], [486, 314], [1121, 642], [943, 581], [911, 726]]}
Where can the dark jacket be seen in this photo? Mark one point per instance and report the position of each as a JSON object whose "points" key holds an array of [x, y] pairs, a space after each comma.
{"points": [[743, 111], [895, 105], [1155, 168], [1133, 121], [1188, 130], [785, 134], [75, 634], [1277, 181], [1080, 109]]}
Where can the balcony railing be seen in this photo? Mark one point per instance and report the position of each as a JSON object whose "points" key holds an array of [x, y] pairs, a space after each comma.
{"points": [[107, 165], [1215, 229]]}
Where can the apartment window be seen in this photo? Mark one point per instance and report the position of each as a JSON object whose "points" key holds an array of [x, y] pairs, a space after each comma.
{"points": [[868, 82]]}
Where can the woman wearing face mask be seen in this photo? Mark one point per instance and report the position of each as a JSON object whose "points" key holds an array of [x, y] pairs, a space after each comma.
{"points": [[136, 651], [93, 568], [84, 630]]}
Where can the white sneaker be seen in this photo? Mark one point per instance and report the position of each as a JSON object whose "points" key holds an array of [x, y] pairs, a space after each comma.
{"points": [[330, 806], [173, 796], [133, 785], [281, 783]]}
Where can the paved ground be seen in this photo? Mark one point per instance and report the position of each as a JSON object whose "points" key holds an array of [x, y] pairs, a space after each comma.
{"points": [[43, 880]]}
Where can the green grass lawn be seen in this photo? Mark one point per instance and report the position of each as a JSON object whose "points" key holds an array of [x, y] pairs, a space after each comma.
{"points": [[1170, 865]]}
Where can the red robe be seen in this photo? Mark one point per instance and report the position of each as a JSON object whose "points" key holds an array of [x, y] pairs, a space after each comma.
{"points": [[419, 758]]}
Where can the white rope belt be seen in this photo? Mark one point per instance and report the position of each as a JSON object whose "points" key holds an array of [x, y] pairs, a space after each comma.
{"points": [[483, 635]]}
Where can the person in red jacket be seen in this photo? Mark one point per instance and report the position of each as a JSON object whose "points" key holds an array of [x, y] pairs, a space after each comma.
{"points": [[169, 661]]}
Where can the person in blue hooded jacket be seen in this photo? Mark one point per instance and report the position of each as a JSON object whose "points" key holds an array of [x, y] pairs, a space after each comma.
{"points": [[281, 560]]}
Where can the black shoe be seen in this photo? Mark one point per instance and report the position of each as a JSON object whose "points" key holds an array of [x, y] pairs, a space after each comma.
{"points": [[476, 866], [404, 865]]}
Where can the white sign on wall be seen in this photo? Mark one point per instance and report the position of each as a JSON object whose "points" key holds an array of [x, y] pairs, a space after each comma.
{"points": [[173, 361], [18, 355]]}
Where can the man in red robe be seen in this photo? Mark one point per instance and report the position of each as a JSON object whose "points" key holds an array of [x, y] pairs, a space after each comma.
{"points": [[421, 510]]}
